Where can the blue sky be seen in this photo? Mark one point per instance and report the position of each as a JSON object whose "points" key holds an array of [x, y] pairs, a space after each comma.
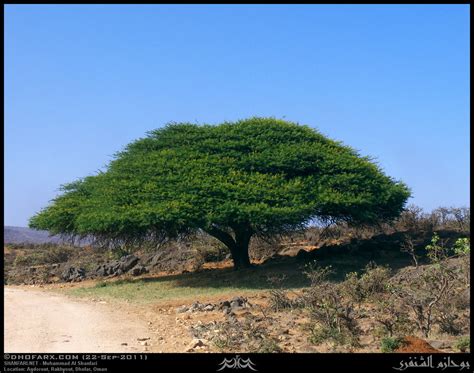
{"points": [[83, 81]]}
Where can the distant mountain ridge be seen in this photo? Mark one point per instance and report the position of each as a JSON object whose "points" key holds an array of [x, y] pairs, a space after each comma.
{"points": [[26, 235]]}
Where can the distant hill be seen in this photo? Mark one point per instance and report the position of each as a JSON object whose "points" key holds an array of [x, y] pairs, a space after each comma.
{"points": [[27, 235]]}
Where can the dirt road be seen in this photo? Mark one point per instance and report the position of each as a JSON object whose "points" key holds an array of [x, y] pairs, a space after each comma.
{"points": [[38, 321]]}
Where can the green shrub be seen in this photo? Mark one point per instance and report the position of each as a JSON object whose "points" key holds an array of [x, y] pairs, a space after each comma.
{"points": [[374, 279], [462, 246], [101, 284], [268, 345], [463, 344], [320, 334], [352, 287], [371, 282], [390, 344]]}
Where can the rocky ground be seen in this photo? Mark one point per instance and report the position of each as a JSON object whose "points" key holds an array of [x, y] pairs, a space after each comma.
{"points": [[240, 317], [211, 325]]}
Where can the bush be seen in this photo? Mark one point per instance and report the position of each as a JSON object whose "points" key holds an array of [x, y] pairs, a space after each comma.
{"points": [[321, 334], [317, 274], [247, 335], [332, 315], [463, 344], [268, 346], [432, 295], [374, 279], [410, 219], [264, 248], [462, 246], [278, 297], [408, 246], [390, 344], [352, 287], [392, 316], [44, 254], [371, 282], [443, 218]]}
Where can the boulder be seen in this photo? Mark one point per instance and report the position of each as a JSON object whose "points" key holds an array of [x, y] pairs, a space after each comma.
{"points": [[156, 259], [128, 262], [118, 267], [181, 309], [138, 270], [71, 274], [238, 302], [223, 305], [101, 270]]}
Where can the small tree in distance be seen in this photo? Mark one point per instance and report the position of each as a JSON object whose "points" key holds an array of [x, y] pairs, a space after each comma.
{"points": [[259, 176]]}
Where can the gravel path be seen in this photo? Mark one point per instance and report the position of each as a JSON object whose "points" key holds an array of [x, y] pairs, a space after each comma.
{"points": [[39, 321]]}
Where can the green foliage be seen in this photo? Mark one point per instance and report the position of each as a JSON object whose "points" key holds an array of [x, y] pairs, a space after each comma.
{"points": [[390, 344], [462, 246], [320, 334], [463, 344], [373, 280], [438, 250], [316, 273], [263, 174], [370, 284], [352, 287], [268, 346], [438, 292]]}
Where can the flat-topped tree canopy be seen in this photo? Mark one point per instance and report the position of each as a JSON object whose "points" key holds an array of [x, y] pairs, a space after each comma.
{"points": [[256, 176]]}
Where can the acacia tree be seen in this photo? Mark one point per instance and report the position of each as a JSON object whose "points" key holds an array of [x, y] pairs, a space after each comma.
{"points": [[259, 176]]}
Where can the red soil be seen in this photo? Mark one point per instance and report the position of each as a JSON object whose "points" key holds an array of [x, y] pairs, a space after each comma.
{"points": [[415, 344]]}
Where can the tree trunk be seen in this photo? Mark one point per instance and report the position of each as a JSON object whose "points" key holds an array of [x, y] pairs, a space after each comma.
{"points": [[239, 247], [242, 241]]}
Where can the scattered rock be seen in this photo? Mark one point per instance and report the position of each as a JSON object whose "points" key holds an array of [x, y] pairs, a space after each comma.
{"points": [[223, 305], [197, 306], [181, 309], [71, 274], [128, 262], [118, 267], [156, 259], [138, 270], [124, 344], [439, 344], [226, 311], [195, 343], [238, 302], [143, 339]]}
